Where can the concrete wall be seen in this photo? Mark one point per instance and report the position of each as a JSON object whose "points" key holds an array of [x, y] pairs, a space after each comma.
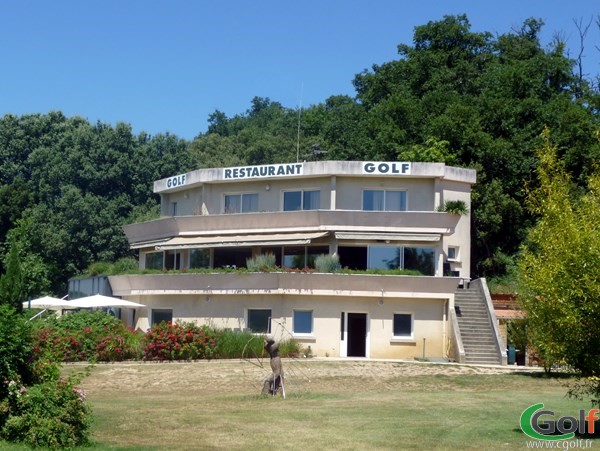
{"points": [[230, 312]]}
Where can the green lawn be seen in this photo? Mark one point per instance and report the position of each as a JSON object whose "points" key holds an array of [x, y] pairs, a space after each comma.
{"points": [[330, 405]]}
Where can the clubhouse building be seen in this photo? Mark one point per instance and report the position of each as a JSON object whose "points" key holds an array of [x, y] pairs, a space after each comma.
{"points": [[403, 257]]}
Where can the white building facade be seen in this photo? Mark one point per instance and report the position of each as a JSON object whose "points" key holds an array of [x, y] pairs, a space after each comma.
{"points": [[382, 217]]}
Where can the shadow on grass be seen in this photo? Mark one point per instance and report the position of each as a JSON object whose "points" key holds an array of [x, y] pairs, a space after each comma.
{"points": [[544, 375]]}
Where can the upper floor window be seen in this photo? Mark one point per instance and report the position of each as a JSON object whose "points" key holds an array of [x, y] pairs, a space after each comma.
{"points": [[301, 200], [241, 203], [453, 253], [384, 200]]}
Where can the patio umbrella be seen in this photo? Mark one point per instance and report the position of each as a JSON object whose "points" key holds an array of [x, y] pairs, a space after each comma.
{"points": [[48, 302], [99, 300]]}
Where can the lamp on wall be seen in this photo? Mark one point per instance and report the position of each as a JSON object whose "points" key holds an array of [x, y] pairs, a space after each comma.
{"points": [[268, 187]]}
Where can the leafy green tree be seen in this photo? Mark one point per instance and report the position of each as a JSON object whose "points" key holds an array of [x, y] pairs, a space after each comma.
{"points": [[487, 99], [560, 267], [12, 283]]}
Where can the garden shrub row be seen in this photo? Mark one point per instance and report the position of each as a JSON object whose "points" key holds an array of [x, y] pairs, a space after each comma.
{"points": [[98, 337]]}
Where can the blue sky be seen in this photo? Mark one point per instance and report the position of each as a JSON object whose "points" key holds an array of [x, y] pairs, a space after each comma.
{"points": [[164, 66]]}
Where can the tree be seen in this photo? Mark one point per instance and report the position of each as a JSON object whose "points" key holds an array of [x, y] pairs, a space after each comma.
{"points": [[560, 267], [12, 290]]}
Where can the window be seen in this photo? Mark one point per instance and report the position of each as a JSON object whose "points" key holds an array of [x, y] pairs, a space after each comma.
{"points": [[301, 257], [392, 257], [172, 260], [160, 315], [259, 320], [154, 260], [228, 257], [173, 208], [301, 200], [303, 321], [385, 257], [384, 200], [403, 325], [452, 253], [199, 258], [420, 259], [241, 203]]}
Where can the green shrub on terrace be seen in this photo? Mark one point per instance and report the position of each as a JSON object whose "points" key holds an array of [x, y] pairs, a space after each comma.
{"points": [[327, 263], [261, 263], [456, 207]]}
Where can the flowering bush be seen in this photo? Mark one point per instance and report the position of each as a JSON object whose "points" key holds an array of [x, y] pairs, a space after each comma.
{"points": [[185, 341], [36, 406], [87, 336], [51, 414]]}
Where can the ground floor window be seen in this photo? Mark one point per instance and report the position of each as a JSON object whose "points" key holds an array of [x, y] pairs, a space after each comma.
{"points": [[259, 320], [403, 325], [160, 315], [303, 322], [154, 260]]}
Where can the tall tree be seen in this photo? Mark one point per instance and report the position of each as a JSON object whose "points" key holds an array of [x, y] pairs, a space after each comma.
{"points": [[12, 284], [561, 268]]}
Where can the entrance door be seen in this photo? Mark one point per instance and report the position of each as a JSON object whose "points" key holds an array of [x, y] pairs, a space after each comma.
{"points": [[357, 335]]}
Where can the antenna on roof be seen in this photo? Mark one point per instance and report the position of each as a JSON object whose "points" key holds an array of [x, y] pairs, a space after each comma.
{"points": [[298, 135]]}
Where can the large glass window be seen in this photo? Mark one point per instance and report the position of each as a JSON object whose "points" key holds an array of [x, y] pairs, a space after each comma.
{"points": [[172, 260], [259, 320], [300, 257], [241, 203], [385, 257], [199, 258], [393, 257], [384, 200], [303, 322], [403, 324], [301, 200], [421, 259], [231, 256], [154, 260]]}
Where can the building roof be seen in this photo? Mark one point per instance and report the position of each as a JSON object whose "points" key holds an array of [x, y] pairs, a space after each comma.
{"points": [[314, 169]]}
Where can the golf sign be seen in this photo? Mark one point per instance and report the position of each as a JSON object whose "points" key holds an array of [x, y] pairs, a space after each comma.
{"points": [[539, 423]]}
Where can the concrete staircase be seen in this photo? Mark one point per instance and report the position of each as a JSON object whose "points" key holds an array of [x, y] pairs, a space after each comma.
{"points": [[476, 331]]}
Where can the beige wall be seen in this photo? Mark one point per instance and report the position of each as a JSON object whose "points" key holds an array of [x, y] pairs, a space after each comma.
{"points": [[420, 193], [462, 236], [230, 312]]}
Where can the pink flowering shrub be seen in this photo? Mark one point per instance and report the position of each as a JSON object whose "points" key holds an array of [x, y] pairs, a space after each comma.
{"points": [[185, 341]]}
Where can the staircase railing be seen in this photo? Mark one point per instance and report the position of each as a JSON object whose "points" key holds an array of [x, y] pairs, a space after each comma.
{"points": [[457, 349]]}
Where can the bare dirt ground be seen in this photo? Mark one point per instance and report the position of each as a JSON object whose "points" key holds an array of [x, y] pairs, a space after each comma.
{"points": [[246, 376]]}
